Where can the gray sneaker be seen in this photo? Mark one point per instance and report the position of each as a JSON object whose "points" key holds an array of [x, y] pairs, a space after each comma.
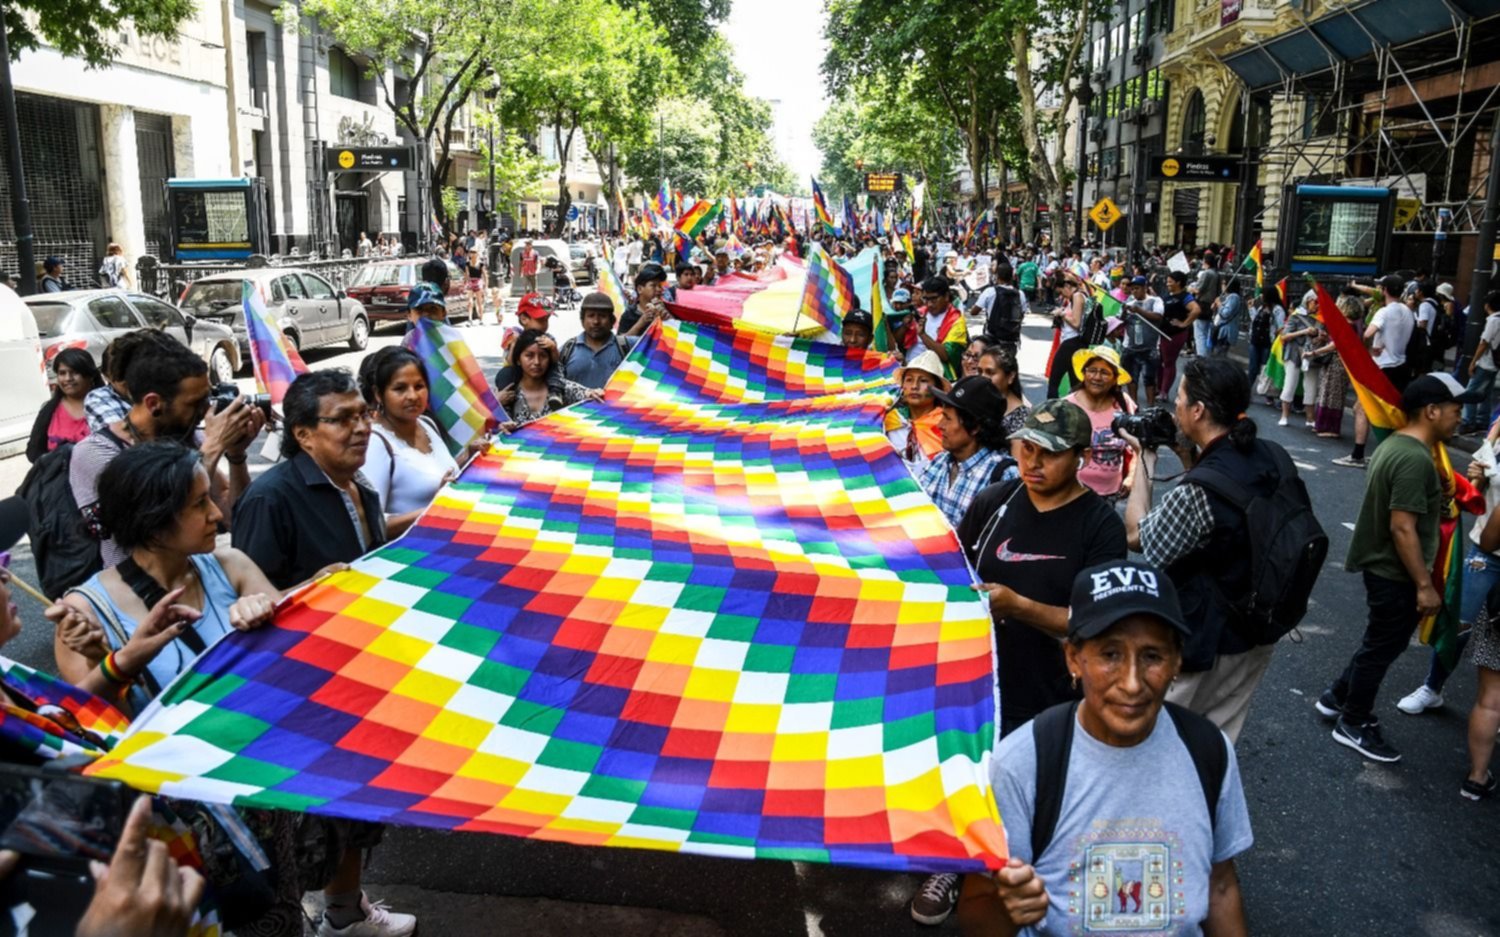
{"points": [[1349, 461], [936, 899]]}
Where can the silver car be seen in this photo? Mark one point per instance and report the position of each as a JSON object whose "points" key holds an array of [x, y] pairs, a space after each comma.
{"points": [[91, 319], [310, 311]]}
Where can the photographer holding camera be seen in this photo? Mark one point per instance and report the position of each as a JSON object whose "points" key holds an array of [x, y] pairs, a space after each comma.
{"points": [[1201, 537], [171, 395]]}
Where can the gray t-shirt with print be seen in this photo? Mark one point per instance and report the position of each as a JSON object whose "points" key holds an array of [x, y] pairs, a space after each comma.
{"points": [[1133, 847]]}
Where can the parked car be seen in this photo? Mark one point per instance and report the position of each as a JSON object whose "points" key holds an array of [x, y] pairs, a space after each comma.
{"points": [[382, 287], [91, 319], [309, 310], [23, 379], [579, 266]]}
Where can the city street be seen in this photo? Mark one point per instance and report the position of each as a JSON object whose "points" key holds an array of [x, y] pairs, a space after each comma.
{"points": [[1343, 846]]}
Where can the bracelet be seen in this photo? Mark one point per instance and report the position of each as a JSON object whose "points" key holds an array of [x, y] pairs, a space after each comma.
{"points": [[233, 461], [112, 671]]}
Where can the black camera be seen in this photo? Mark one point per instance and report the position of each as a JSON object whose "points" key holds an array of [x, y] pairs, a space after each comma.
{"points": [[223, 395], [1153, 426]]}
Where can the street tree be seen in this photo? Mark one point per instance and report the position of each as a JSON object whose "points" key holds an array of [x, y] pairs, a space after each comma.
{"points": [[874, 127], [951, 52], [439, 55], [89, 30]]}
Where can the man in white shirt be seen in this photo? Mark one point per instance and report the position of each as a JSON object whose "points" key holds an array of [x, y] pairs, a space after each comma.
{"points": [[1391, 329], [1482, 369]]}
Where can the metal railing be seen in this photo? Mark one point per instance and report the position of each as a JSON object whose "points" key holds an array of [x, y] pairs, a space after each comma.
{"points": [[169, 280]]}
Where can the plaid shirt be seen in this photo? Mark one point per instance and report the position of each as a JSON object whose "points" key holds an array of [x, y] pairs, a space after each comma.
{"points": [[104, 406], [953, 498], [1179, 525]]}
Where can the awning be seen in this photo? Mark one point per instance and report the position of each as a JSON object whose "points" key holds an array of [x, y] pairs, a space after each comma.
{"points": [[1349, 35]]}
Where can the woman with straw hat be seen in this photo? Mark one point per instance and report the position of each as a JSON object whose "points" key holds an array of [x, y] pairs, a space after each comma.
{"points": [[1109, 471]]}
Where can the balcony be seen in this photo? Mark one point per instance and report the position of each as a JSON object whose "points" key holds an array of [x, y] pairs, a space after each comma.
{"points": [[1225, 25]]}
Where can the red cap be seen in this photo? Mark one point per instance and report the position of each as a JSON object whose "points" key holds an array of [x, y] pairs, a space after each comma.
{"points": [[534, 306]]}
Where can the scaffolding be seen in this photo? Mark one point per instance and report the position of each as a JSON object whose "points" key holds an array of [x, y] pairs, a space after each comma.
{"points": [[1377, 48]]}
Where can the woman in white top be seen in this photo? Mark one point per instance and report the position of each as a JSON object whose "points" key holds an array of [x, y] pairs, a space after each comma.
{"points": [[408, 459]]}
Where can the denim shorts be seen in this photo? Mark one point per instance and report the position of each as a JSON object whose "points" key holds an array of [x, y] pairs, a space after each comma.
{"points": [[1142, 364], [1481, 572]]}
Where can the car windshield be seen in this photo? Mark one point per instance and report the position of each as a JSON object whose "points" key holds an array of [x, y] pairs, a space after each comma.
{"points": [[50, 318], [213, 296], [383, 275]]}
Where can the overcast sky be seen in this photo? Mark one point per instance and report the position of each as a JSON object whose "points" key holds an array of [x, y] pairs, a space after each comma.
{"points": [[778, 44]]}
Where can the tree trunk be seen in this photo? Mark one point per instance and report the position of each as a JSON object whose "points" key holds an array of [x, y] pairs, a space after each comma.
{"points": [[564, 197]]}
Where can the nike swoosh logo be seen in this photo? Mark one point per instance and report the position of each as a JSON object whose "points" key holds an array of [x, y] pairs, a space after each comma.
{"points": [[1003, 554]]}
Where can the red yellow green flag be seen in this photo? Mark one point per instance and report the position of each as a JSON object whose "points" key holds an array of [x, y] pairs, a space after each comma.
{"points": [[1253, 261], [697, 219]]}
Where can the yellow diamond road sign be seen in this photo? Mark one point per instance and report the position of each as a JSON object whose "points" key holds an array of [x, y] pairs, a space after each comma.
{"points": [[1105, 213]]}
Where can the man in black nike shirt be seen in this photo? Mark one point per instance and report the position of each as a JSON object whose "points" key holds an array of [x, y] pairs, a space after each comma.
{"points": [[1028, 540]]}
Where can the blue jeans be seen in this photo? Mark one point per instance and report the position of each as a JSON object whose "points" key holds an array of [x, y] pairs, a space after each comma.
{"points": [[1258, 358], [1481, 572], [1203, 336], [1483, 381]]}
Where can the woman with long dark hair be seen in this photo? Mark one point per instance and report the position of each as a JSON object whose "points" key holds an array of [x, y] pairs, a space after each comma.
{"points": [[1180, 310], [408, 459], [63, 418], [542, 388], [998, 363]]}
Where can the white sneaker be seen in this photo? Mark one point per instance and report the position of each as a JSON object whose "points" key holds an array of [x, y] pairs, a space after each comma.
{"points": [[380, 921], [1420, 700], [1281, 422]]}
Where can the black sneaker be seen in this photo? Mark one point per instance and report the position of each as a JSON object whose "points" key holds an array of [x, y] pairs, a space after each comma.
{"points": [[936, 899], [1328, 705], [1365, 739], [1475, 791]]}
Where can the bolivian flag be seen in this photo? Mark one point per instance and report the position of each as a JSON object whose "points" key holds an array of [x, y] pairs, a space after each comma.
{"points": [[1382, 404], [697, 219], [1254, 262]]}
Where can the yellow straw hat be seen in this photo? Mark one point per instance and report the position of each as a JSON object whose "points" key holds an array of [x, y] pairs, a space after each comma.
{"points": [[1104, 353]]}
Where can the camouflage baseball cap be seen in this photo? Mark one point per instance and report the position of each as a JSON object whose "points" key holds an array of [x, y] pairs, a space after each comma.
{"points": [[1056, 425]]}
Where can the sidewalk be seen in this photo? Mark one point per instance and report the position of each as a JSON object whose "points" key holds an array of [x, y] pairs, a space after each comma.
{"points": [[441, 912]]}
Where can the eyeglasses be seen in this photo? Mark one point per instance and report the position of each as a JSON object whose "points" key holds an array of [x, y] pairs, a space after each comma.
{"points": [[1098, 372], [348, 420]]}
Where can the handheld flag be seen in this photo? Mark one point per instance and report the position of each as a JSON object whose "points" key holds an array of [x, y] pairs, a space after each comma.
{"points": [[829, 293], [274, 360], [1254, 262], [820, 207], [698, 218], [609, 282], [460, 396], [881, 341], [624, 216]]}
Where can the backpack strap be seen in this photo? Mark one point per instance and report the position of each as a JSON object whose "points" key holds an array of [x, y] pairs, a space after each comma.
{"points": [[1210, 753], [1222, 485], [1052, 734]]}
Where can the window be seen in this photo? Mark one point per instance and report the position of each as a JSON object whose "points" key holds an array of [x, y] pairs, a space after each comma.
{"points": [[1133, 92], [1112, 101], [317, 287], [1138, 28], [1159, 16], [255, 66], [293, 287], [1101, 51], [157, 313], [1156, 88], [277, 294], [111, 312], [1320, 117], [343, 75], [1194, 125]]}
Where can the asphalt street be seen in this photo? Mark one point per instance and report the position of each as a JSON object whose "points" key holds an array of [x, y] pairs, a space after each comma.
{"points": [[1343, 846]]}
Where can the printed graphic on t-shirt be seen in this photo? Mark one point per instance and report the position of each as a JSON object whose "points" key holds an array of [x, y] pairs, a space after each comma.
{"points": [[1108, 449], [1004, 554], [1127, 884]]}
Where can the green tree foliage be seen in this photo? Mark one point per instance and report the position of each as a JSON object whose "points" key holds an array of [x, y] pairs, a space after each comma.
{"points": [[518, 171], [88, 29], [887, 129]]}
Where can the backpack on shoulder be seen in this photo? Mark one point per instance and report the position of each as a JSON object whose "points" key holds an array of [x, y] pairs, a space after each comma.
{"points": [[1052, 733], [66, 553], [1287, 550], [1006, 315]]}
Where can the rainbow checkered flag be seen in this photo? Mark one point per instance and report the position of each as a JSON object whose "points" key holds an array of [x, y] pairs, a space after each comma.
{"points": [[460, 396], [274, 360], [829, 292], [712, 613], [609, 282]]}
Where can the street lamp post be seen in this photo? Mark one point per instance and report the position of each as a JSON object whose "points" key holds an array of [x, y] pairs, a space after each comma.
{"points": [[20, 205]]}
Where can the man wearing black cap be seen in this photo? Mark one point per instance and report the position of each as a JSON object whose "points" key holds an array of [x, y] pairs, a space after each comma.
{"points": [[1394, 543], [1141, 355], [975, 451], [858, 328]]}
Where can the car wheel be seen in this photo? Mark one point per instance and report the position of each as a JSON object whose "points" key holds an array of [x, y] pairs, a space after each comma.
{"points": [[220, 366], [359, 335]]}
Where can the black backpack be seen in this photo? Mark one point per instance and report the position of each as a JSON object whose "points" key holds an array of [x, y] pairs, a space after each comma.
{"points": [[1052, 733], [1006, 315], [66, 553], [1260, 327], [1416, 347], [1287, 550]]}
